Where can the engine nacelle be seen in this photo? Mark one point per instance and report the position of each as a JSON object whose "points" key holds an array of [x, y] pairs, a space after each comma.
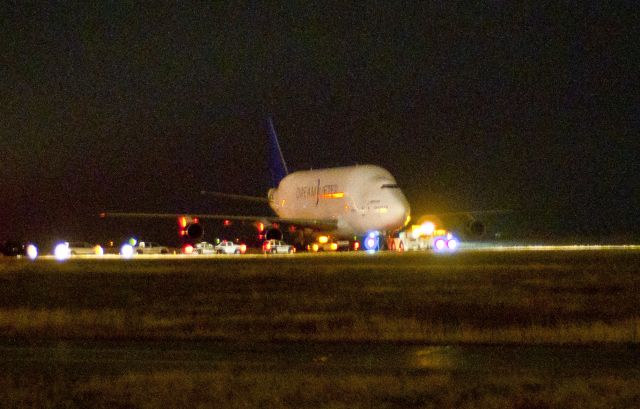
{"points": [[189, 228], [474, 228], [194, 231], [273, 234]]}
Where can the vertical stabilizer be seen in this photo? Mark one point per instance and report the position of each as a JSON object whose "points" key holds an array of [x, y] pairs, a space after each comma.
{"points": [[277, 165]]}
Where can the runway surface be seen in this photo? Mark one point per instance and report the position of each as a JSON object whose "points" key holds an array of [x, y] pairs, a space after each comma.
{"points": [[465, 248]]}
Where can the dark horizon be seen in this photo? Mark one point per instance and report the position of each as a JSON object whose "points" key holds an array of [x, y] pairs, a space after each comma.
{"points": [[139, 107]]}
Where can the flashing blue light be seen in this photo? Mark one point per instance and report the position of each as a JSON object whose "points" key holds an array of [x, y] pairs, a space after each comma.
{"points": [[445, 244], [62, 252], [126, 251], [31, 251], [371, 242]]}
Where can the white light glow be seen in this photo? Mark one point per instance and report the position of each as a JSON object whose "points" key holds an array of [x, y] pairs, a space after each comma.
{"points": [[371, 243], [31, 251], [62, 252], [126, 251], [428, 228], [440, 244]]}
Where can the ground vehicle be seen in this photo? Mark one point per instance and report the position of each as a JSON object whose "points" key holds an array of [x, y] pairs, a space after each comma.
{"points": [[423, 237], [150, 247], [204, 248], [324, 243], [277, 246], [82, 248], [229, 247], [14, 248]]}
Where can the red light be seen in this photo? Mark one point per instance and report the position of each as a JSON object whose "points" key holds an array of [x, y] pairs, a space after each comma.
{"points": [[356, 245], [182, 222], [260, 227], [227, 222], [187, 249], [267, 245], [196, 220], [243, 248]]}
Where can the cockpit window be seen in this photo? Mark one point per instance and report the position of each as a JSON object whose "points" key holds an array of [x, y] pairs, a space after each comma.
{"points": [[390, 186]]}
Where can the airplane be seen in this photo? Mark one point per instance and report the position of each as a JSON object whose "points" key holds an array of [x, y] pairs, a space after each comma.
{"points": [[345, 202]]}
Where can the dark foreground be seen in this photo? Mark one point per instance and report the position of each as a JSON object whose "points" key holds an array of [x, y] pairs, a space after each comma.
{"points": [[524, 330]]}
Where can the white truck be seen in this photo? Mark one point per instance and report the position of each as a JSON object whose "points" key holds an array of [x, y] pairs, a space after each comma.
{"points": [[229, 247], [150, 247], [277, 246], [204, 248]]}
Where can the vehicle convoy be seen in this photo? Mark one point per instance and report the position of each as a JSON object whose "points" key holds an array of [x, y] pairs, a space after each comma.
{"points": [[229, 247], [277, 246], [150, 247]]}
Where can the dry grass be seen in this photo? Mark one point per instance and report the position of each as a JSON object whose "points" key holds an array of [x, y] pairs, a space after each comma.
{"points": [[543, 298], [472, 298], [237, 388], [118, 324]]}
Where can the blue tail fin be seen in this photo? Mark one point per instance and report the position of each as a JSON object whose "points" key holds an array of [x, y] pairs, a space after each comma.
{"points": [[277, 166]]}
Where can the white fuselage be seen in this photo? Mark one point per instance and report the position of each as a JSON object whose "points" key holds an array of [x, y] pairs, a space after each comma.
{"points": [[360, 199]]}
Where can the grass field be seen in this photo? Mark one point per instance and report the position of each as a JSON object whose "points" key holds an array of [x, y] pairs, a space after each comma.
{"points": [[578, 299], [575, 297]]}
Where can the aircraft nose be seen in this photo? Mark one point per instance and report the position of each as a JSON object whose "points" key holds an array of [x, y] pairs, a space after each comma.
{"points": [[402, 210]]}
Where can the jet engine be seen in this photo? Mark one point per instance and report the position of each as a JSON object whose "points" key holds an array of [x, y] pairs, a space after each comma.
{"points": [[194, 231], [189, 228], [273, 233]]}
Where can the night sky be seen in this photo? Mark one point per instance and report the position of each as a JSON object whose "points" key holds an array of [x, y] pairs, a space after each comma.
{"points": [[471, 107]]}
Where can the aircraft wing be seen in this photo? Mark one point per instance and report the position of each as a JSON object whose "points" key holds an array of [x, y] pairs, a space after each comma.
{"points": [[324, 224], [474, 212], [233, 196]]}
